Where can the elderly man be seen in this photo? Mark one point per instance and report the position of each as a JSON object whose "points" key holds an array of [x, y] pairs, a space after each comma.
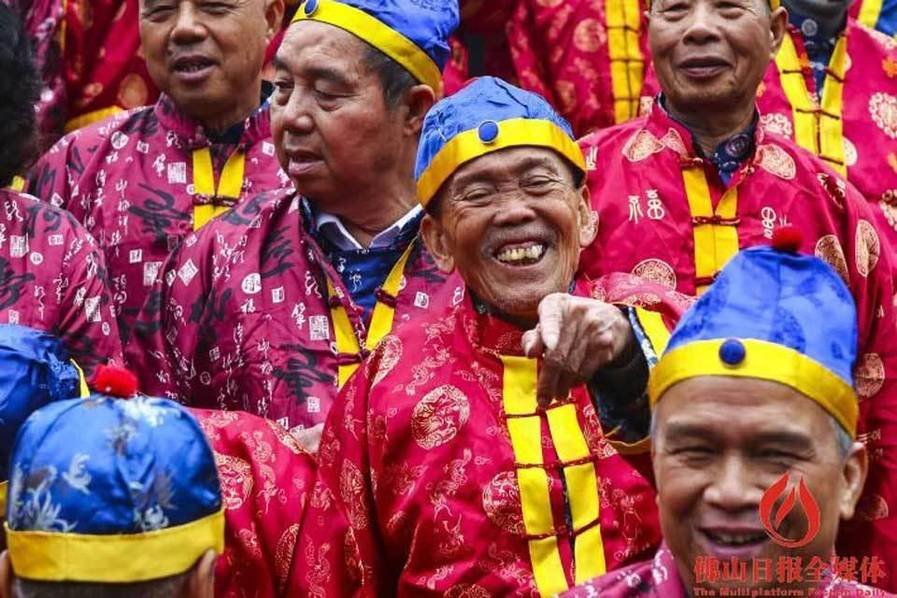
{"points": [[109, 497], [273, 306], [679, 191], [843, 108], [144, 179], [52, 274], [754, 394], [448, 468]]}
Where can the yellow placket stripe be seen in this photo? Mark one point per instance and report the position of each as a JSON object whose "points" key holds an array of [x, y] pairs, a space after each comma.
{"points": [[17, 184], [582, 490], [382, 318], [831, 123], [820, 132], [655, 329], [627, 65], [83, 388], [870, 10], [230, 186], [525, 428], [715, 243], [4, 488]]}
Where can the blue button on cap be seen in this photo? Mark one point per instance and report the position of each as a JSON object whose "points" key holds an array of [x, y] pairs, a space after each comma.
{"points": [[488, 131], [732, 352], [311, 7]]}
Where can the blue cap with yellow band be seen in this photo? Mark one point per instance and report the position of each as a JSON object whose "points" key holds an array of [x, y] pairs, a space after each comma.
{"points": [[414, 33], [488, 115], [107, 490], [772, 315]]}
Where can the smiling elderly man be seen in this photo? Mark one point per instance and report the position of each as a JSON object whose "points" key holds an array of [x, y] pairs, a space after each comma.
{"points": [[272, 307], [755, 389], [679, 191], [447, 466], [142, 180]]}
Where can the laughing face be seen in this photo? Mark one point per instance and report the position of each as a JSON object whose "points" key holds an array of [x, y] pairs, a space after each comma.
{"points": [[718, 444], [513, 224]]}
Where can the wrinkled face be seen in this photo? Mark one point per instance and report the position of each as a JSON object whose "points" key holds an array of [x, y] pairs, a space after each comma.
{"points": [[513, 223], [712, 53], [333, 130], [719, 443], [208, 54]]}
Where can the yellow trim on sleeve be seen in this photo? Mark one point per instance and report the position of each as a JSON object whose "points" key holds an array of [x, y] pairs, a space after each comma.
{"points": [[121, 558], [83, 388], [627, 65], [715, 244], [378, 34], [765, 361], [89, 118], [514, 132], [870, 11]]}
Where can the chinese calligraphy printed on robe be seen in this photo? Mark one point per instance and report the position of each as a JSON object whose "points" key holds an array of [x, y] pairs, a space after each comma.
{"points": [[664, 214], [438, 474], [241, 317], [53, 278], [852, 124], [587, 57], [142, 180], [265, 476]]}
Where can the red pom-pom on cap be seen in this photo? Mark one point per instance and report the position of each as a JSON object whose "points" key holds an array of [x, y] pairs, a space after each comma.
{"points": [[114, 381], [787, 238]]}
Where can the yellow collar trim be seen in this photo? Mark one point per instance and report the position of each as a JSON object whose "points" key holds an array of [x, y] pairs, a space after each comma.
{"points": [[122, 558], [375, 32], [514, 132], [765, 361]]}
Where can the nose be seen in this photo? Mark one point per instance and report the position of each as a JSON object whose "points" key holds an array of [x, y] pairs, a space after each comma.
{"points": [[296, 115], [516, 209], [702, 25], [733, 489], [188, 27]]}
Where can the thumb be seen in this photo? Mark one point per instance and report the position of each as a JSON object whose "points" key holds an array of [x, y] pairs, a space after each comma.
{"points": [[532, 342], [550, 317]]}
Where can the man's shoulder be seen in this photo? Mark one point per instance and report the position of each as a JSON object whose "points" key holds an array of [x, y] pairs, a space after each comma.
{"points": [[109, 129], [44, 216], [870, 40], [614, 136]]}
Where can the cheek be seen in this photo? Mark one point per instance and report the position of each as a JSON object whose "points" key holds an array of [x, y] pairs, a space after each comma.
{"points": [[678, 489]]}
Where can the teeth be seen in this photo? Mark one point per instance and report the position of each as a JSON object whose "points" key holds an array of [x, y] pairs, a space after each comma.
{"points": [[737, 539], [519, 254]]}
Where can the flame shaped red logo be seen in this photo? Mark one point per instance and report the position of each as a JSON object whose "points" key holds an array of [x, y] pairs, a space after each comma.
{"points": [[800, 494]]}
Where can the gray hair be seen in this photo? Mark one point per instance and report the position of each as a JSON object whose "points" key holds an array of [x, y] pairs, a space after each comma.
{"points": [[159, 588]]}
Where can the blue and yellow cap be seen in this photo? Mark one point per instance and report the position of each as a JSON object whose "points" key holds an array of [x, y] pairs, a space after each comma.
{"points": [[486, 116], [37, 371], [414, 33], [107, 490], [774, 315]]}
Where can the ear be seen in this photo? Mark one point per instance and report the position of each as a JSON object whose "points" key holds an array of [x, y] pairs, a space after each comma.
{"points": [[201, 583], [274, 10], [437, 243], [588, 220], [778, 28], [854, 471], [418, 101], [5, 575]]}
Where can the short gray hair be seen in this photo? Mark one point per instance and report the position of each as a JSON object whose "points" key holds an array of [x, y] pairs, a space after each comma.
{"points": [[159, 588]]}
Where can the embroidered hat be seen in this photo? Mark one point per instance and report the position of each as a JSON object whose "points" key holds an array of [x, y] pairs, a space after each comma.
{"points": [[486, 116], [36, 371], [773, 315], [414, 33], [107, 490]]}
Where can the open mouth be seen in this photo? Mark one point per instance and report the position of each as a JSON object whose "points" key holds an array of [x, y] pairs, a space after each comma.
{"points": [[733, 540], [521, 254], [192, 64]]}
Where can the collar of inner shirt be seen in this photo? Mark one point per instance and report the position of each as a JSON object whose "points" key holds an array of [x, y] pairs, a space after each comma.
{"points": [[332, 228], [731, 152]]}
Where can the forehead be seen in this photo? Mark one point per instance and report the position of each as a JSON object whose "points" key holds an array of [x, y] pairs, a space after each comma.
{"points": [[310, 43], [510, 162], [738, 409]]}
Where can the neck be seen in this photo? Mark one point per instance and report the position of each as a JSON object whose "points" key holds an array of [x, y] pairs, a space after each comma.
{"points": [[831, 22], [219, 122], [383, 208], [709, 129]]}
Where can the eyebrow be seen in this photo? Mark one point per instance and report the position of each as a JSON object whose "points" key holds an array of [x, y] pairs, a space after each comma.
{"points": [[520, 169], [796, 440], [328, 74]]}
